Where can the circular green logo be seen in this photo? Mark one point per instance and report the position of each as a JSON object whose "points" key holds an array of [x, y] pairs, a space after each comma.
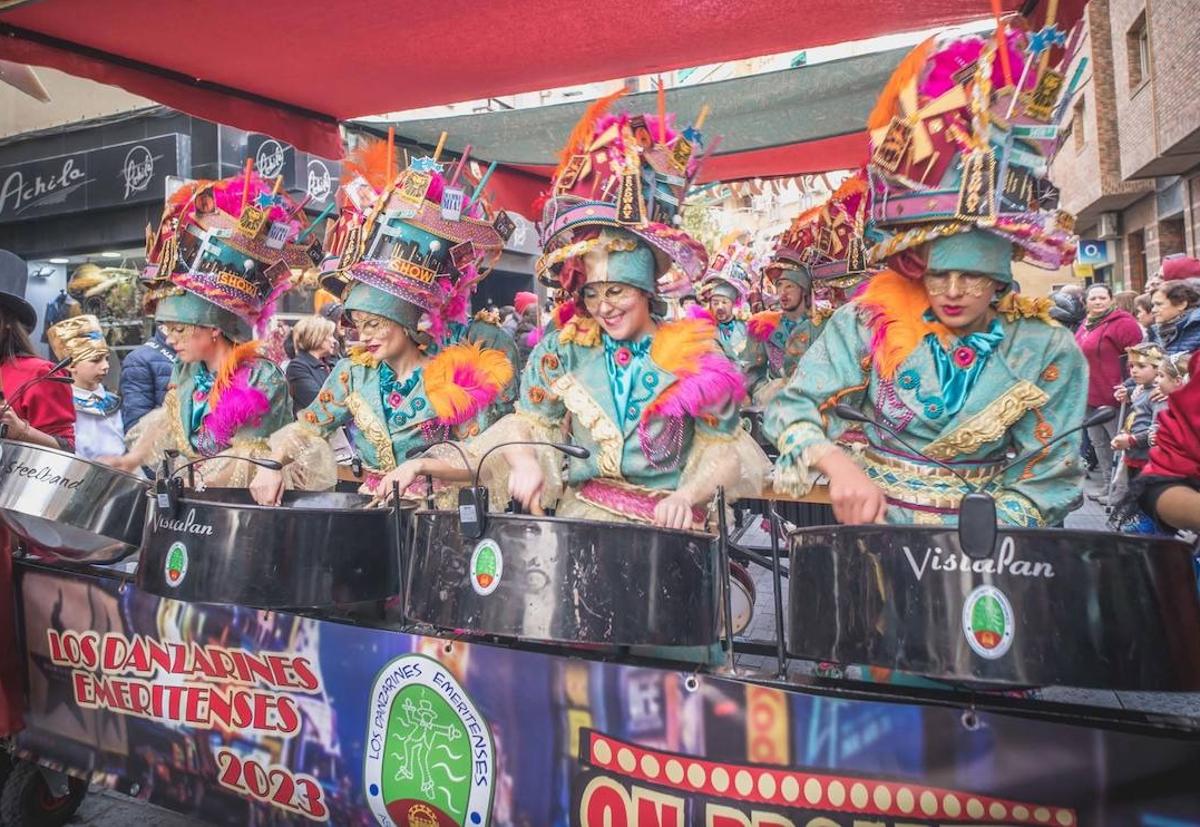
{"points": [[429, 758], [987, 621], [176, 566], [487, 567]]}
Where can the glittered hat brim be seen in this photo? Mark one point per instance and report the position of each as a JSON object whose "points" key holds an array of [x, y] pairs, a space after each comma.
{"points": [[296, 256], [562, 222], [376, 274], [1033, 235]]}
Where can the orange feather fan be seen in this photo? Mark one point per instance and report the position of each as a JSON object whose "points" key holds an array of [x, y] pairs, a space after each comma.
{"points": [[464, 379]]}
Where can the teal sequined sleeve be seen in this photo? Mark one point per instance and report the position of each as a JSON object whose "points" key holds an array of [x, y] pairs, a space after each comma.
{"points": [[832, 367]]}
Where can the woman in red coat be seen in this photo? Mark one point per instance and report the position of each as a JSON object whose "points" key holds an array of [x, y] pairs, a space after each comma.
{"points": [[1103, 337], [41, 414]]}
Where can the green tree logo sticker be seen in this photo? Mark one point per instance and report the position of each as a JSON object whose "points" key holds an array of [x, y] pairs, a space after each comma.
{"points": [[987, 621], [429, 759], [177, 564], [487, 567]]}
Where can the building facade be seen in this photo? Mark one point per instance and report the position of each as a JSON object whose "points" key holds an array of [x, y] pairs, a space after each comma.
{"points": [[1129, 160]]}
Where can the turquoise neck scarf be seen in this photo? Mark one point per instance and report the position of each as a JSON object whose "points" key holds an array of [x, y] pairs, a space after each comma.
{"points": [[959, 369], [202, 387], [393, 395], [624, 363]]}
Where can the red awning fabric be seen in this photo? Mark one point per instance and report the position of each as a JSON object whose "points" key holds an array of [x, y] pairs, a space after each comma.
{"points": [[295, 68]]}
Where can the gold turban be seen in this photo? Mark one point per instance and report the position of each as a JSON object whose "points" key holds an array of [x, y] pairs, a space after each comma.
{"points": [[80, 338]]}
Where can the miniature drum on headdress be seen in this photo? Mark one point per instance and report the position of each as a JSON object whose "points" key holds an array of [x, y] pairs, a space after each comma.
{"points": [[317, 549], [68, 508], [565, 581], [1049, 607]]}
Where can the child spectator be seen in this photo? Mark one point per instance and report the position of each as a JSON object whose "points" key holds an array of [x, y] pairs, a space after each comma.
{"points": [[1134, 438], [98, 427]]}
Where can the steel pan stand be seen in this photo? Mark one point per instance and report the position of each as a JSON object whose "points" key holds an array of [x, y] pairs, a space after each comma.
{"points": [[777, 586], [730, 667]]}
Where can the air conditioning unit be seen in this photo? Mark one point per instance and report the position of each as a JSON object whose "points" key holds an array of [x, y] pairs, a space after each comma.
{"points": [[1109, 225]]}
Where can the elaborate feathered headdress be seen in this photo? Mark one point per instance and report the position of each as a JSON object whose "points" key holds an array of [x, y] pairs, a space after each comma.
{"points": [[625, 173], [960, 140]]}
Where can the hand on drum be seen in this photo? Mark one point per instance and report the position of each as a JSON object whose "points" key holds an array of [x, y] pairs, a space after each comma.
{"points": [[526, 482], [404, 475], [267, 488], [17, 428], [673, 511], [126, 462], [855, 499]]}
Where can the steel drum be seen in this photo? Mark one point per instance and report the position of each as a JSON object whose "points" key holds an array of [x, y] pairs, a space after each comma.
{"points": [[566, 581], [315, 550], [68, 508], [1050, 607]]}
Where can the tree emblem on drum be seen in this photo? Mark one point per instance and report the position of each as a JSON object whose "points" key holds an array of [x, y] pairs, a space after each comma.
{"points": [[177, 564], [429, 752], [487, 567], [987, 621]]}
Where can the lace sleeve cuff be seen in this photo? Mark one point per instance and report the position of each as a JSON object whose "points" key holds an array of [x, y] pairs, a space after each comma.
{"points": [[801, 447]]}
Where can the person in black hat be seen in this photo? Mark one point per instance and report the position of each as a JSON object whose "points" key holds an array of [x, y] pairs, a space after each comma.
{"points": [[42, 413]]}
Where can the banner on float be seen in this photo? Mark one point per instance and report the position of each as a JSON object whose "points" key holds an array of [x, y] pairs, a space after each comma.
{"points": [[237, 716]]}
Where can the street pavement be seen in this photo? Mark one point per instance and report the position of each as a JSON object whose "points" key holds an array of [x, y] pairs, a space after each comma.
{"points": [[104, 808]]}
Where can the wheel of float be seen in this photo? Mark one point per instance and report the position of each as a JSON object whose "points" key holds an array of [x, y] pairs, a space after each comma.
{"points": [[27, 800]]}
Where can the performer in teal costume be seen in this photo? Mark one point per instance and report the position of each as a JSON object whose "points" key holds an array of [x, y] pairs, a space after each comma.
{"points": [[778, 338], [969, 387], [398, 397], [654, 402], [723, 290], [939, 344], [212, 280]]}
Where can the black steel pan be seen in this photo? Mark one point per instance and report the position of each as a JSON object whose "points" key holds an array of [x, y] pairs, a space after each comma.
{"points": [[317, 549], [567, 581], [1049, 607], [68, 508]]}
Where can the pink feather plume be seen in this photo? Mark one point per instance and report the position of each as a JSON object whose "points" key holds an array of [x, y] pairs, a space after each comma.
{"points": [[715, 382], [479, 390], [534, 336], [239, 406]]}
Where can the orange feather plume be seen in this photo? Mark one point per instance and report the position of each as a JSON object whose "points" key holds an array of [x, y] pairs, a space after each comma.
{"points": [[896, 308], [887, 105], [678, 346], [852, 185], [370, 160], [464, 379], [238, 357], [581, 135]]}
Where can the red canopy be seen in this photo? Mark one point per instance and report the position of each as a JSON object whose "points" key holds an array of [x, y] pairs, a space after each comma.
{"points": [[295, 68]]}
